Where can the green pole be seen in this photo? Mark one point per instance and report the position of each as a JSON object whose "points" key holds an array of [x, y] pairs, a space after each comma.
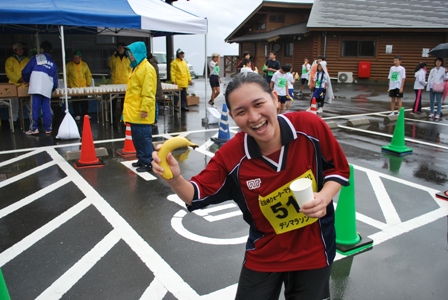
{"points": [[345, 216], [397, 145], [4, 294]]}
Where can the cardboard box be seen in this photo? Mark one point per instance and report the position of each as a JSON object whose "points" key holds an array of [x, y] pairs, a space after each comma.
{"points": [[22, 91], [8, 90], [192, 100]]}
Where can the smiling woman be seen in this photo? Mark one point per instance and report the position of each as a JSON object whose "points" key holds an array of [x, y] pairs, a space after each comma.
{"points": [[255, 169]]}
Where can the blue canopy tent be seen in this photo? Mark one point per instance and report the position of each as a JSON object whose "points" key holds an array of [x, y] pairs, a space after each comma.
{"points": [[124, 17]]}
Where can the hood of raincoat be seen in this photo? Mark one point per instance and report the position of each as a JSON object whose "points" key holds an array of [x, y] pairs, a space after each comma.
{"points": [[324, 65], [138, 49]]}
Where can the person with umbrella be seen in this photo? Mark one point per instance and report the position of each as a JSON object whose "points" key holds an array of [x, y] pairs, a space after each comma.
{"points": [[435, 87]]}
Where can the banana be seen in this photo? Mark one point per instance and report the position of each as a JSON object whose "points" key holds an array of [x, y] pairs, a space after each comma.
{"points": [[169, 146]]}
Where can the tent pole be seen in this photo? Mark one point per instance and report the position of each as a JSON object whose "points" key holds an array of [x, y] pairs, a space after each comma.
{"points": [[205, 81], [64, 74]]}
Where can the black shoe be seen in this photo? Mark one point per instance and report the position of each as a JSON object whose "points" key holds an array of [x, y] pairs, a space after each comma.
{"points": [[211, 102], [137, 164], [176, 109], [144, 168], [185, 109]]}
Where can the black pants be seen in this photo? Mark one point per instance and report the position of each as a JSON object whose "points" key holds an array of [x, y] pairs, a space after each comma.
{"points": [[307, 284], [183, 98], [80, 108]]}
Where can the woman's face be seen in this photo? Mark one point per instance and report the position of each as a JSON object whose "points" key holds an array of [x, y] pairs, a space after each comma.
{"points": [[438, 63], [255, 112], [319, 68]]}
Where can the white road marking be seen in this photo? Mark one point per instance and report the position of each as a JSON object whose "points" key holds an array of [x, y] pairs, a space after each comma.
{"points": [[390, 136], [40, 233], [65, 282], [155, 291], [387, 207], [20, 157], [26, 174], [27, 200], [176, 223], [163, 271], [145, 175]]}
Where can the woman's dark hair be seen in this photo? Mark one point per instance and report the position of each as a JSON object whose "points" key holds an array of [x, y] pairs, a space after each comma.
{"points": [[243, 78], [438, 58], [246, 53], [47, 46], [419, 66]]}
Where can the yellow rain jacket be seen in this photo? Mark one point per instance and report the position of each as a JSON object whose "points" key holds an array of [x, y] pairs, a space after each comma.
{"points": [[14, 67], [180, 74], [78, 75], [141, 88], [120, 69]]}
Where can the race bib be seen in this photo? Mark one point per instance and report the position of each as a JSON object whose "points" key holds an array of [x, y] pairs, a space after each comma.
{"points": [[281, 210], [318, 82], [281, 82], [394, 76], [270, 73], [304, 71], [217, 70]]}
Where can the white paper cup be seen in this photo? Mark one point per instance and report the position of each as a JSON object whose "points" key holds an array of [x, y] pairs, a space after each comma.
{"points": [[302, 190]]}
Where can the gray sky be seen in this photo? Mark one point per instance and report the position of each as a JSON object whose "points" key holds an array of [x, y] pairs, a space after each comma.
{"points": [[223, 17]]}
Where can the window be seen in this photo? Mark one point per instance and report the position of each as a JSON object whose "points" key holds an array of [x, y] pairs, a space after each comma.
{"points": [[358, 48], [289, 49], [260, 26], [277, 18]]}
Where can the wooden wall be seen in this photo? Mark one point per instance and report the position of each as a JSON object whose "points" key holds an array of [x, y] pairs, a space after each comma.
{"points": [[408, 45]]}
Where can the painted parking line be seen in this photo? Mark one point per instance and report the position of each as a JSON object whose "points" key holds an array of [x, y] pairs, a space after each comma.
{"points": [[145, 175], [67, 280], [42, 232]]}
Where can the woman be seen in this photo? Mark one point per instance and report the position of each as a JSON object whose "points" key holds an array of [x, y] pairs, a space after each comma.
{"points": [[419, 85], [255, 168], [436, 77], [240, 65]]}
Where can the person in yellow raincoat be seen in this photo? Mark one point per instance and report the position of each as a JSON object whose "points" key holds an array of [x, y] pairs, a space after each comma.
{"points": [[79, 76], [180, 75], [140, 104], [120, 69], [13, 68]]}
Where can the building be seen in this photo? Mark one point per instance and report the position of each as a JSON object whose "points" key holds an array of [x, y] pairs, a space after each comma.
{"points": [[354, 35]]}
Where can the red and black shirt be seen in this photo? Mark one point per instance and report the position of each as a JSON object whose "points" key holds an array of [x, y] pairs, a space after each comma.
{"points": [[280, 237]]}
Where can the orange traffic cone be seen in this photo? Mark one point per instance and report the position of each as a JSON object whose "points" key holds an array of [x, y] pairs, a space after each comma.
{"points": [[313, 108], [129, 150], [88, 157]]}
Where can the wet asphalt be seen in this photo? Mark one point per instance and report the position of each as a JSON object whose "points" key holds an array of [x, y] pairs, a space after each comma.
{"points": [[108, 233]]}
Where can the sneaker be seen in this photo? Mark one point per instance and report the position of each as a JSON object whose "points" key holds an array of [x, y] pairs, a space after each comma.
{"points": [[137, 164], [77, 118], [211, 102], [431, 116], [320, 110], [47, 131], [144, 168], [392, 114], [32, 132], [185, 109], [437, 118]]}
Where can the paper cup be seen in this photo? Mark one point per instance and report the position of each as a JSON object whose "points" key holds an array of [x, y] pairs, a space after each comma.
{"points": [[302, 190]]}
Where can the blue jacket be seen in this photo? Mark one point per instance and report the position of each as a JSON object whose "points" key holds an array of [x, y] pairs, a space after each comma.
{"points": [[42, 74]]}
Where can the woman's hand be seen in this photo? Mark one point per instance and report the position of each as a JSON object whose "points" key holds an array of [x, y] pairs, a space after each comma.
{"points": [[316, 208], [172, 162]]}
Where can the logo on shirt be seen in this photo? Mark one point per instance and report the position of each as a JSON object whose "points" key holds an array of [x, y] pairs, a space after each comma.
{"points": [[253, 184]]}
